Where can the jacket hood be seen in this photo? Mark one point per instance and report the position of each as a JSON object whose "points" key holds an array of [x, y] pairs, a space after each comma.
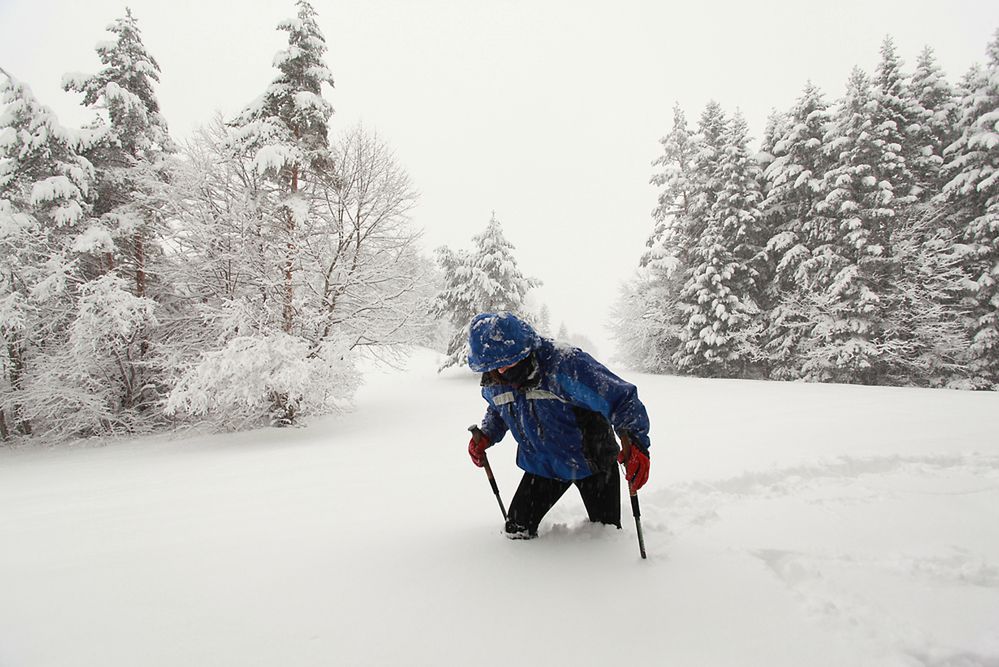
{"points": [[500, 339]]}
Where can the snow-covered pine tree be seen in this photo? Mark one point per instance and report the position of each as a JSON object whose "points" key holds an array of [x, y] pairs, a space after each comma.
{"points": [[934, 117], [67, 335], [794, 182], [973, 199], [709, 150], [924, 314], [706, 184], [287, 130], [740, 207], [778, 124], [893, 117], [485, 280], [456, 301], [501, 285], [794, 188], [849, 339], [650, 318], [647, 322], [544, 321], [42, 172], [673, 176], [132, 162], [671, 239], [720, 299]]}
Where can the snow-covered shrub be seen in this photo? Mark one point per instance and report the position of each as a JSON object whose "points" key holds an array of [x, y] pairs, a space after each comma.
{"points": [[94, 383], [273, 378]]}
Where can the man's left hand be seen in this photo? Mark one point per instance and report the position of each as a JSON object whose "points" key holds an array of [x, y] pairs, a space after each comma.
{"points": [[636, 466]]}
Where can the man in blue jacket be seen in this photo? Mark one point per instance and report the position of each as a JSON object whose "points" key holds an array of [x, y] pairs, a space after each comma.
{"points": [[563, 408]]}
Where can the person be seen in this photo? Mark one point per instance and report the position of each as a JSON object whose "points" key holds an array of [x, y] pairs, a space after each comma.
{"points": [[563, 408]]}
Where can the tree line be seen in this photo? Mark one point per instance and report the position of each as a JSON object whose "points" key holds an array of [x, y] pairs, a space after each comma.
{"points": [[228, 280], [859, 245]]}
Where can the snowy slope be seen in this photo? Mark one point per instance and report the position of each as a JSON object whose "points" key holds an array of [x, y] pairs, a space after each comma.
{"points": [[786, 524]]}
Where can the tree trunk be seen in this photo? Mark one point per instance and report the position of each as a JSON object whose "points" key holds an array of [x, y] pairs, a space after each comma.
{"points": [[4, 432], [16, 384], [289, 287], [140, 265], [282, 412], [140, 281]]}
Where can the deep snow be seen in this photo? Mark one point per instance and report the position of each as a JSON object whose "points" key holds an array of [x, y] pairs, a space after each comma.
{"points": [[786, 524]]}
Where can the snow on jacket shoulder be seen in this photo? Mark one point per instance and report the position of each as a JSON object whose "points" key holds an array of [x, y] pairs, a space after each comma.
{"points": [[564, 420]]}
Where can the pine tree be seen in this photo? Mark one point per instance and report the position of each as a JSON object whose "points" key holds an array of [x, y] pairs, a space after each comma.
{"points": [[501, 285], [858, 263], [456, 301], [674, 175], [45, 183], [973, 195], [676, 302], [650, 323], [722, 294], [795, 188], [892, 119], [130, 161], [485, 280], [132, 164], [25, 127], [544, 321], [668, 245], [778, 124], [706, 167], [934, 117], [287, 130], [43, 170]]}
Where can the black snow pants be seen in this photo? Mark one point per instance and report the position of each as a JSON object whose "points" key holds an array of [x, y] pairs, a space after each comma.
{"points": [[601, 494]]}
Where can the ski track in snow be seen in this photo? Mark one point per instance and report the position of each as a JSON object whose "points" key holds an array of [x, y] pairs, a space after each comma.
{"points": [[831, 585]]}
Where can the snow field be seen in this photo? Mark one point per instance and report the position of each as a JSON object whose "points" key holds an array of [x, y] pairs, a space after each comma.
{"points": [[786, 524]]}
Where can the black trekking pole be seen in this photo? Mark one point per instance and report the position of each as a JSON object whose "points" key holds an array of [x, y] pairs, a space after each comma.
{"points": [[477, 433], [636, 511]]}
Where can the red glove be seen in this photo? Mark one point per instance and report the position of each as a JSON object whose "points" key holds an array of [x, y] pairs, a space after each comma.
{"points": [[636, 465], [477, 447]]}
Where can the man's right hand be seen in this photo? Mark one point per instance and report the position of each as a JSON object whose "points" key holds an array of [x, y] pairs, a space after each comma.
{"points": [[477, 446]]}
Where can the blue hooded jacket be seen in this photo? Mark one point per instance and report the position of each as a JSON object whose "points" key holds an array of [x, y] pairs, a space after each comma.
{"points": [[565, 415]]}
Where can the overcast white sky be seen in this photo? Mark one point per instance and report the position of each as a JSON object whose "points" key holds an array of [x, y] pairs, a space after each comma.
{"points": [[547, 111]]}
